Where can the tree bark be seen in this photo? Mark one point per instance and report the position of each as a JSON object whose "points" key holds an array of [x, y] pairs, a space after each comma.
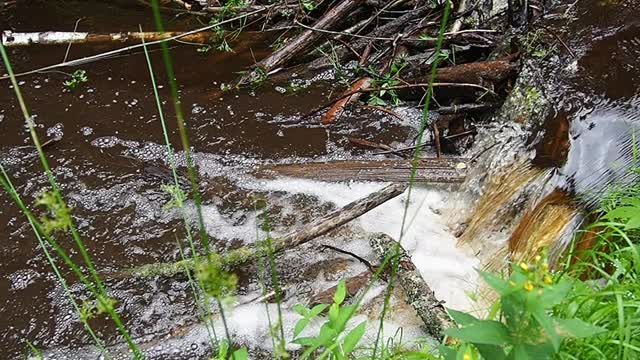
{"points": [[301, 43], [419, 294]]}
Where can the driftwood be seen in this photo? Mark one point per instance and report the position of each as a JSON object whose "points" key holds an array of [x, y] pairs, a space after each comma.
{"points": [[294, 239], [473, 73], [444, 170], [10, 38], [419, 294], [303, 41]]}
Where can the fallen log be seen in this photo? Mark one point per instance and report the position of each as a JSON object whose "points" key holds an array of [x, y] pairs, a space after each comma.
{"points": [[10, 38], [478, 73], [301, 43], [419, 294], [443, 170], [248, 254]]}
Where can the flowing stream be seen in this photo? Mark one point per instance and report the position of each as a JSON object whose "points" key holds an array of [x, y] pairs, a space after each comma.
{"points": [[529, 191]]}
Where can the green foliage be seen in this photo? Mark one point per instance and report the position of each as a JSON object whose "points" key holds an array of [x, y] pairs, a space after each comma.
{"points": [[77, 78], [177, 196], [526, 328], [386, 81], [60, 214], [214, 280], [224, 352], [610, 295], [333, 341]]}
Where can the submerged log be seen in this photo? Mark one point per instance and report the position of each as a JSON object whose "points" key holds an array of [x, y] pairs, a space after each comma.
{"points": [[294, 239], [10, 38], [419, 294], [443, 170]]}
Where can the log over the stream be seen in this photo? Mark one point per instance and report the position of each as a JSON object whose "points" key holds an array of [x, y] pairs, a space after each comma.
{"points": [[419, 294], [292, 240], [443, 170]]}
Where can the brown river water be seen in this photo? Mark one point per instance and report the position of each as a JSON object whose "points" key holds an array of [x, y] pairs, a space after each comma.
{"points": [[110, 162]]}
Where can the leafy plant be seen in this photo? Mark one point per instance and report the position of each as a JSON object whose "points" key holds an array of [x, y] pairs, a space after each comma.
{"points": [[78, 77], [331, 340], [386, 81], [526, 327]]}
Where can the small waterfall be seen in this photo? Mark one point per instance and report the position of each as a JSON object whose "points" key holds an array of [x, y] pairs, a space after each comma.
{"points": [[505, 195]]}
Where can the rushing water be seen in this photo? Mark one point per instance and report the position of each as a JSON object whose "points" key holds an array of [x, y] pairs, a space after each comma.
{"points": [[110, 162]]}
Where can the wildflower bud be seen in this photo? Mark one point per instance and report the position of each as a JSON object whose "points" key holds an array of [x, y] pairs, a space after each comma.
{"points": [[524, 266], [537, 258], [528, 286], [547, 279]]}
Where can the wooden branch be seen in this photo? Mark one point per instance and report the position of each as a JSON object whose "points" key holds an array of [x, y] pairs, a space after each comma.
{"points": [[419, 294], [249, 254], [10, 39], [301, 43], [444, 170], [473, 73]]}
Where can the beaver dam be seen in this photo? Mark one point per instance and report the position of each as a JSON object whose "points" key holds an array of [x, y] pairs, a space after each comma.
{"points": [[259, 179]]}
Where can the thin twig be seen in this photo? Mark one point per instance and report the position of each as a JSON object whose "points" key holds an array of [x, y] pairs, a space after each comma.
{"points": [[75, 28], [357, 257]]}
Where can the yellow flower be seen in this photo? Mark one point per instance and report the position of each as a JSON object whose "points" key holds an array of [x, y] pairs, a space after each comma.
{"points": [[528, 286], [537, 258], [545, 266], [466, 357], [524, 266], [547, 279]]}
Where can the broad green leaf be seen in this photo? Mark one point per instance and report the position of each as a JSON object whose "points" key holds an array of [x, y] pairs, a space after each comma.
{"points": [[622, 212], [577, 328], [482, 332], [341, 293], [327, 334], [461, 318], [345, 313], [301, 309], [447, 352], [316, 310], [300, 326], [334, 311], [305, 341], [554, 295], [548, 325], [353, 338], [491, 352], [240, 354], [501, 286]]}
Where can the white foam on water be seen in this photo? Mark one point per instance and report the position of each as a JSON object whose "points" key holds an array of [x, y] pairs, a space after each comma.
{"points": [[450, 271]]}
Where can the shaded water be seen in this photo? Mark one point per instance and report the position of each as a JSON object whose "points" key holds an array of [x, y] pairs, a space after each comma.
{"points": [[110, 163]]}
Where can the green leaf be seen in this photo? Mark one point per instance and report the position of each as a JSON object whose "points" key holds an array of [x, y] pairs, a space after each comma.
{"points": [[577, 328], [548, 325], [327, 334], [300, 326], [482, 332], [305, 341], [341, 293], [501, 286], [353, 337], [334, 311], [555, 294], [447, 352], [461, 318], [316, 310], [491, 352], [301, 309], [240, 354], [622, 212]]}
